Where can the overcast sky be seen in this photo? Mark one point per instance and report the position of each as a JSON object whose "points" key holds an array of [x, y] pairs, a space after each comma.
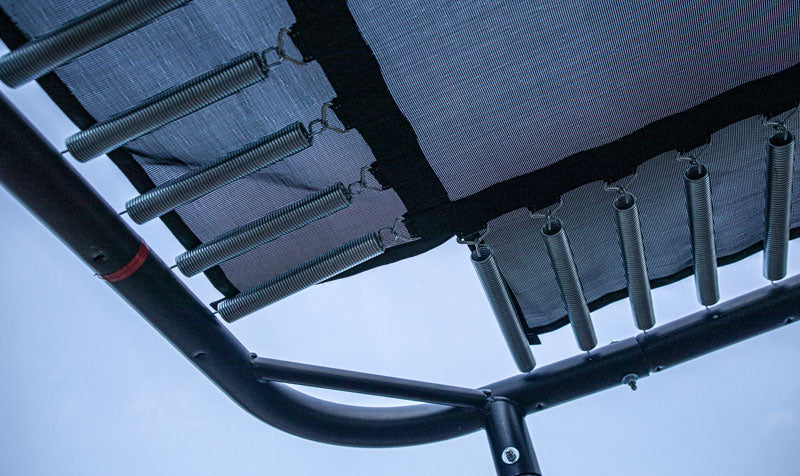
{"points": [[89, 388]]}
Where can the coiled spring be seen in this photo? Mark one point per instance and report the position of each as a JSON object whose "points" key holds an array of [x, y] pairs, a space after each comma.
{"points": [[193, 185], [780, 166], [168, 106], [631, 244], [80, 36], [503, 306], [271, 226], [557, 243], [697, 187], [311, 272]]}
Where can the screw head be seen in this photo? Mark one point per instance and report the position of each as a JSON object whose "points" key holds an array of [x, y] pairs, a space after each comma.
{"points": [[630, 380], [510, 455]]}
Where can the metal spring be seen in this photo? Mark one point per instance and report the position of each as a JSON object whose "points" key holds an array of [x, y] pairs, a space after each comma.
{"points": [[557, 243], [303, 276], [697, 186], [193, 185], [80, 36], [503, 306], [267, 228], [168, 106], [780, 166], [631, 244]]}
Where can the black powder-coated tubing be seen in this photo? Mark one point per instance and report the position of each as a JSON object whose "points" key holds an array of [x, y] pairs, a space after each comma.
{"points": [[569, 282], [80, 36], [271, 370], [275, 224], [503, 307], [241, 163], [697, 186], [34, 172], [778, 210], [631, 244], [311, 272], [167, 106], [509, 440]]}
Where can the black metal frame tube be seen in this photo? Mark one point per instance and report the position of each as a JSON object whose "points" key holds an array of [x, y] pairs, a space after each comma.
{"points": [[37, 175], [509, 440], [347, 380]]}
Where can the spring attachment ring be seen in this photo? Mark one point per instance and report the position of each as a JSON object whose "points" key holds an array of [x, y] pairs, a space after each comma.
{"points": [[780, 125], [323, 123], [566, 273]]}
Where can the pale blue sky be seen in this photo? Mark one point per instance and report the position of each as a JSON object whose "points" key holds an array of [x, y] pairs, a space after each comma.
{"points": [[89, 388]]}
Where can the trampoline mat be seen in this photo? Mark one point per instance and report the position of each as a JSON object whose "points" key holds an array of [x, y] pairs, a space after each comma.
{"points": [[493, 93]]}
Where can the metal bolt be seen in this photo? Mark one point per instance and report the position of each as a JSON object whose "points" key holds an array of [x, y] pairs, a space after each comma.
{"points": [[630, 380], [510, 455]]}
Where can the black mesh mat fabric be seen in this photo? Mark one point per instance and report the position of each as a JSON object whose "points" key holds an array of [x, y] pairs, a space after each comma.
{"points": [[471, 112]]}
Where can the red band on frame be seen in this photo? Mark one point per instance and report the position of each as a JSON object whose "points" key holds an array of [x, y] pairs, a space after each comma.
{"points": [[129, 268]]}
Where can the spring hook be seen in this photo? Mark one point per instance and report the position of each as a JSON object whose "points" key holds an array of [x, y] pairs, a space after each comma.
{"points": [[547, 215], [393, 231], [280, 52], [693, 160], [323, 122], [479, 243], [362, 183], [780, 125], [620, 188]]}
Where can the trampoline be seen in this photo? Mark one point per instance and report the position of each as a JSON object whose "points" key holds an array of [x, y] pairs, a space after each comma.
{"points": [[582, 155]]}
